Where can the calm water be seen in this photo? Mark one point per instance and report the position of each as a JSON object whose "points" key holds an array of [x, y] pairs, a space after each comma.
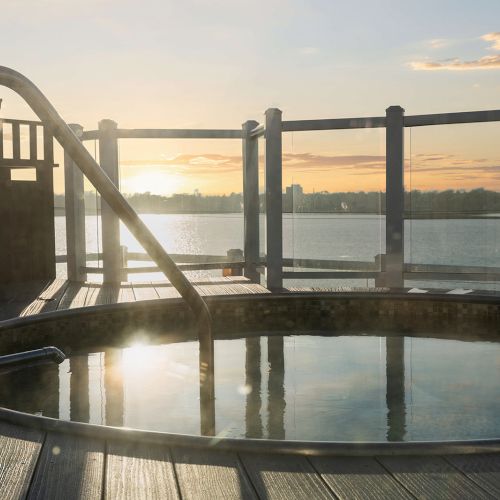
{"points": [[473, 242], [294, 387]]}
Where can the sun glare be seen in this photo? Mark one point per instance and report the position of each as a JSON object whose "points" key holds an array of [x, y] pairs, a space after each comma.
{"points": [[156, 182], [140, 358]]}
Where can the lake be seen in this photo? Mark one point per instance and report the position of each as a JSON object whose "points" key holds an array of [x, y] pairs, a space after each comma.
{"points": [[474, 242]]}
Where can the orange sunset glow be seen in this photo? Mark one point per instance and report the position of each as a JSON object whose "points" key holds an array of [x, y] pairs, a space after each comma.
{"points": [[216, 78]]}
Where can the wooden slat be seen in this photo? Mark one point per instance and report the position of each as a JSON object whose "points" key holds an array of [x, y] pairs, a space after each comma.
{"points": [[166, 291], [484, 470], [205, 474], [48, 300], [358, 478], [1, 138], [232, 279], [20, 163], [255, 288], [449, 118], [33, 141], [178, 134], [145, 291], [93, 292], [69, 467], [108, 293], [284, 477], [126, 293], [16, 141], [207, 290], [431, 477], [329, 275], [333, 124], [74, 296], [21, 122], [139, 471], [19, 450]]}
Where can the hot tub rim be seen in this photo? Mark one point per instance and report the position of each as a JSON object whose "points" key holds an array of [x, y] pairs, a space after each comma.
{"points": [[248, 445]]}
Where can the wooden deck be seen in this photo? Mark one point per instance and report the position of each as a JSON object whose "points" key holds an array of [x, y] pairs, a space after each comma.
{"points": [[35, 464], [35, 297], [51, 464]]}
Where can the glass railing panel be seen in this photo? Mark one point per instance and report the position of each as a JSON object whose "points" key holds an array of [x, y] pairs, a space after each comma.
{"points": [[452, 201], [189, 193], [333, 200]]}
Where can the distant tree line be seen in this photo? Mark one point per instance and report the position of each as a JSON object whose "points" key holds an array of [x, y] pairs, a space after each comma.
{"points": [[426, 204]]}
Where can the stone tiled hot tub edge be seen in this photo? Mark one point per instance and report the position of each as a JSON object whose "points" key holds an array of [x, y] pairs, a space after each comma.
{"points": [[443, 316]]}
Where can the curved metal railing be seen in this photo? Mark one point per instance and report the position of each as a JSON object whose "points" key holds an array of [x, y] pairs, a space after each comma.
{"points": [[49, 353], [109, 192]]}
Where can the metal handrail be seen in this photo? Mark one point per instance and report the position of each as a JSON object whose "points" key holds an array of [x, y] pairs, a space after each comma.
{"points": [[110, 193], [50, 353]]}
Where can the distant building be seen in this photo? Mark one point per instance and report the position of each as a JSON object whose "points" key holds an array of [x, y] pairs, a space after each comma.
{"points": [[293, 199], [294, 191]]}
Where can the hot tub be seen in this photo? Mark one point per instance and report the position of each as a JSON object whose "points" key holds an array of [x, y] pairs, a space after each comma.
{"points": [[315, 368]]}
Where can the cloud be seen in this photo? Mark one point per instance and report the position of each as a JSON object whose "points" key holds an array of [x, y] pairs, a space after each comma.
{"points": [[493, 37], [457, 64], [217, 163], [451, 169], [445, 167], [308, 51], [486, 62], [438, 43]]}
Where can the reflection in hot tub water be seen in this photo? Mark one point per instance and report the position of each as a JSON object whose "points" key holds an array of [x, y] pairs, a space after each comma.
{"points": [[350, 388]]}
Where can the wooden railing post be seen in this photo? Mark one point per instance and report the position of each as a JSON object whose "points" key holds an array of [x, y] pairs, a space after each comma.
{"points": [[394, 204], [124, 262], [75, 215], [251, 204], [45, 178], [274, 189], [108, 155]]}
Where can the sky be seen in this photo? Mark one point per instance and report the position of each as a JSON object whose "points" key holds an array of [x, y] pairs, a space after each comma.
{"points": [[218, 63]]}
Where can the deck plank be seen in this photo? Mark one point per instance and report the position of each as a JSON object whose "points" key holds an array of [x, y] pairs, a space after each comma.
{"points": [[358, 478], [69, 467], [93, 292], [19, 451], [166, 291], [210, 474], [254, 288], [283, 477], [483, 469], [74, 296], [108, 293], [48, 300], [145, 291], [126, 293], [139, 471], [431, 477]]}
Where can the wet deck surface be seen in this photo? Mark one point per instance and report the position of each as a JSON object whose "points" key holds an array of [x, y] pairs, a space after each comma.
{"points": [[51, 465]]}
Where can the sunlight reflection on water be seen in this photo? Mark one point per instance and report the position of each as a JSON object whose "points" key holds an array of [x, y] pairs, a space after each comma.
{"points": [[293, 387]]}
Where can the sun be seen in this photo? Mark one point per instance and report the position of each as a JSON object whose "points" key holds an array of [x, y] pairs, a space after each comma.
{"points": [[141, 359], [156, 182]]}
